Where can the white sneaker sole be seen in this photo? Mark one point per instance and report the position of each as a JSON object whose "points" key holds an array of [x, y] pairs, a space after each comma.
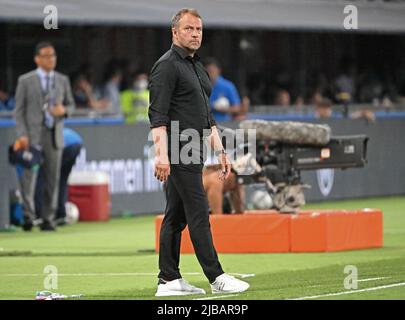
{"points": [[173, 293], [229, 291]]}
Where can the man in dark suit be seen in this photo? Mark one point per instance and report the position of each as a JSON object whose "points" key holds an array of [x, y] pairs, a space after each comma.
{"points": [[43, 99]]}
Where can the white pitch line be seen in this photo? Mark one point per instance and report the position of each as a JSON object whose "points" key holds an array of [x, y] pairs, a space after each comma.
{"points": [[91, 274], [361, 280], [218, 297], [372, 279], [351, 291], [117, 274], [243, 275]]}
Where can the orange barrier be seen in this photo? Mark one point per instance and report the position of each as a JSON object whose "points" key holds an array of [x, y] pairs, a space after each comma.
{"points": [[242, 233], [336, 230], [307, 231]]}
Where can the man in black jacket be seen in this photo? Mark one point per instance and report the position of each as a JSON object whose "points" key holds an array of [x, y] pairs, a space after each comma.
{"points": [[179, 101]]}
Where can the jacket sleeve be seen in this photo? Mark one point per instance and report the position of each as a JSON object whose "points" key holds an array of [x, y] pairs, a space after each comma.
{"points": [[162, 83], [68, 100], [20, 108]]}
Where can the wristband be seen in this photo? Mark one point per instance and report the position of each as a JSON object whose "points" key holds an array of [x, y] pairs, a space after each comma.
{"points": [[219, 152]]}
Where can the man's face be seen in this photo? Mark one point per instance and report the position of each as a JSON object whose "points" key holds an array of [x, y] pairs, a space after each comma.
{"points": [[46, 59], [188, 34], [213, 71]]}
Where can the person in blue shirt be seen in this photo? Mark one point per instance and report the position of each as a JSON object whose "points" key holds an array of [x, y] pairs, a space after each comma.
{"points": [[225, 101], [72, 146], [7, 102]]}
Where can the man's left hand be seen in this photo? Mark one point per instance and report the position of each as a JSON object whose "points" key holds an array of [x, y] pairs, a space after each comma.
{"points": [[58, 110], [225, 166]]}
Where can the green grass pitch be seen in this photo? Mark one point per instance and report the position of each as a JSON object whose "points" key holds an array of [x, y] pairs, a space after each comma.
{"points": [[116, 260]]}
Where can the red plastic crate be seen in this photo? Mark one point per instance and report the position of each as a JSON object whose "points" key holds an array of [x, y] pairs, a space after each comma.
{"points": [[90, 193]]}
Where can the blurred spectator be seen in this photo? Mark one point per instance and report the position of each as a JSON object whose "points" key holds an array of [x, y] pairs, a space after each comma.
{"points": [[111, 89], [363, 114], [344, 88], [135, 100], [386, 102], [316, 97], [371, 88], [282, 98], [224, 100], [299, 102], [323, 109], [7, 102], [84, 95]]}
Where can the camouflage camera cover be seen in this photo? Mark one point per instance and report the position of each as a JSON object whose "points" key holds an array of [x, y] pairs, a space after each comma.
{"points": [[290, 132]]}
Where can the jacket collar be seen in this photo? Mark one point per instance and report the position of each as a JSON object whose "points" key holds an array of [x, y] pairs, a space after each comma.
{"points": [[42, 73], [183, 53]]}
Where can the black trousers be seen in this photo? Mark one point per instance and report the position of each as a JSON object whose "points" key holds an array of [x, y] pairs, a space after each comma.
{"points": [[187, 204]]}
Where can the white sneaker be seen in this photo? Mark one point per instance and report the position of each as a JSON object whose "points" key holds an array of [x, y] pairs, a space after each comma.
{"points": [[178, 287], [226, 283]]}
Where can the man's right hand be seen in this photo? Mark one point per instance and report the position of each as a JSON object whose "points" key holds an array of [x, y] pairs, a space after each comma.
{"points": [[162, 168], [22, 143], [58, 110], [162, 164]]}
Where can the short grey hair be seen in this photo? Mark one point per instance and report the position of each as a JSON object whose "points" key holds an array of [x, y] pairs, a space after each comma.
{"points": [[176, 18]]}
